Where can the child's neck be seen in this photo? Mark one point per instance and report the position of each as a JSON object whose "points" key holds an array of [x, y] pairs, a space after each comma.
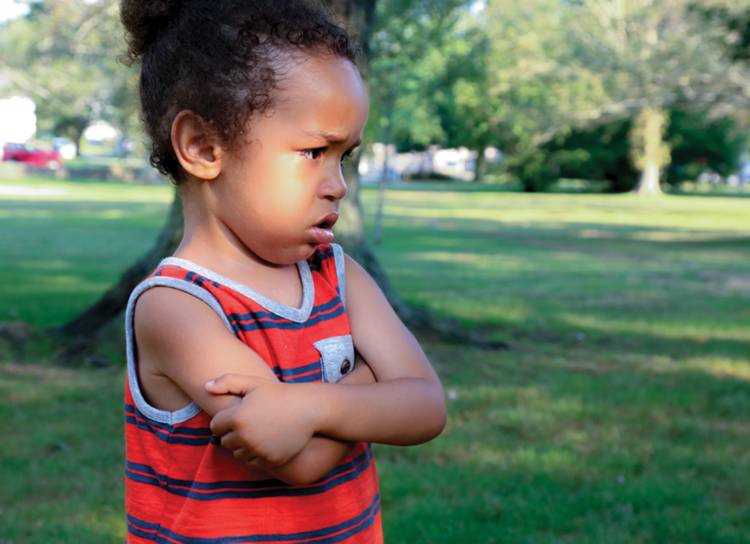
{"points": [[210, 243]]}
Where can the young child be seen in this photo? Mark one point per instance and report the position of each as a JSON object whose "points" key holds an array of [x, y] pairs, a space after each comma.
{"points": [[249, 409]]}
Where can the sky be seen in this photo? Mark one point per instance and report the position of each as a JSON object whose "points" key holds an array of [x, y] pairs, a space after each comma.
{"points": [[10, 9]]}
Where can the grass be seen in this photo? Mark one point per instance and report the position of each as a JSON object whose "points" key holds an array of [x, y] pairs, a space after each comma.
{"points": [[618, 415]]}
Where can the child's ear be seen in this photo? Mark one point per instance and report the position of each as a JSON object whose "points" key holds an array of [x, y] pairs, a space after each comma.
{"points": [[196, 145]]}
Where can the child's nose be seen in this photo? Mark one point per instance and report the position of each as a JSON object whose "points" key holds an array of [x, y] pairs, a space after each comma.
{"points": [[336, 187]]}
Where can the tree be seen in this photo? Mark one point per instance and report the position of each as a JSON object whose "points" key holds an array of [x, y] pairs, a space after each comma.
{"points": [[567, 65], [64, 56], [536, 82], [602, 153], [428, 77], [349, 230]]}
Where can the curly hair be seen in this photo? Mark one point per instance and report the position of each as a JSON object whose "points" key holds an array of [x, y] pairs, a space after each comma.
{"points": [[219, 59]]}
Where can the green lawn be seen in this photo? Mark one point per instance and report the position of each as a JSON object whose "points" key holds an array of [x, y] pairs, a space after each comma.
{"points": [[620, 413]]}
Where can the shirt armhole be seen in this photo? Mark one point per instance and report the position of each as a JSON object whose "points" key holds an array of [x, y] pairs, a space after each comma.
{"points": [[156, 414], [338, 255]]}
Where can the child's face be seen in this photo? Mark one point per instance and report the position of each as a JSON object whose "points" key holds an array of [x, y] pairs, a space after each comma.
{"points": [[288, 175]]}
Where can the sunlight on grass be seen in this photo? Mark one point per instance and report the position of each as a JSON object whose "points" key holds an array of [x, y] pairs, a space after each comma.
{"points": [[618, 414], [471, 262], [705, 214], [719, 367], [659, 327], [62, 191], [7, 190]]}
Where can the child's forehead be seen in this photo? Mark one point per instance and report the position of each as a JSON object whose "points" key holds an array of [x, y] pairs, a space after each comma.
{"points": [[327, 91]]}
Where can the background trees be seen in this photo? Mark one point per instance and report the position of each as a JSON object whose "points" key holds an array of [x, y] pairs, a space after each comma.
{"points": [[65, 56], [519, 76]]}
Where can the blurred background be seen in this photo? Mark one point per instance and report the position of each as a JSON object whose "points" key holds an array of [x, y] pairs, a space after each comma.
{"points": [[552, 193]]}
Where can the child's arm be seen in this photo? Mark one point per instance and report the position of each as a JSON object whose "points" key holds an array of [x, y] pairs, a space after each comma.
{"points": [[406, 406], [181, 341], [321, 454]]}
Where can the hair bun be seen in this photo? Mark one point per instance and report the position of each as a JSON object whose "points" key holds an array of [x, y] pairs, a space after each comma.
{"points": [[143, 19]]}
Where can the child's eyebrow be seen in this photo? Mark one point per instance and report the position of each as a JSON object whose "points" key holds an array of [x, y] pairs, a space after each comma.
{"points": [[330, 137]]}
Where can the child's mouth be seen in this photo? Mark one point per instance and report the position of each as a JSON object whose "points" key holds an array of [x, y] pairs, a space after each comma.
{"points": [[322, 231]]}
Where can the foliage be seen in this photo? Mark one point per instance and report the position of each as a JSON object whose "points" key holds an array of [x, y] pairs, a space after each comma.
{"points": [[66, 57], [406, 54], [697, 143], [700, 143], [563, 66], [600, 153], [520, 76]]}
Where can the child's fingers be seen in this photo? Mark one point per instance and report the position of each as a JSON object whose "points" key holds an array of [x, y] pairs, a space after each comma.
{"points": [[221, 423], [230, 441], [241, 454], [247, 457], [256, 462], [233, 384]]}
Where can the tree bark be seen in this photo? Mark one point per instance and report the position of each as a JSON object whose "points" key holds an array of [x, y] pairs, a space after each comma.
{"points": [[479, 166], [649, 181], [377, 237], [113, 301], [650, 151]]}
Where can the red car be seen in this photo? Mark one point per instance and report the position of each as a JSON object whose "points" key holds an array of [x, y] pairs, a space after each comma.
{"points": [[33, 156]]}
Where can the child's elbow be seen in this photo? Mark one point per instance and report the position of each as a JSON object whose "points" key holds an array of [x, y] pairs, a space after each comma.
{"points": [[439, 418], [302, 479], [295, 475]]}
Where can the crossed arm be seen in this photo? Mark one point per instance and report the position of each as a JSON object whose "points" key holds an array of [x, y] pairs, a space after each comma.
{"points": [[296, 432]]}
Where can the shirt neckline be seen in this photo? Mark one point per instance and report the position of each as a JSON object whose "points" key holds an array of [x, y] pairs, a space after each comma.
{"points": [[298, 315]]}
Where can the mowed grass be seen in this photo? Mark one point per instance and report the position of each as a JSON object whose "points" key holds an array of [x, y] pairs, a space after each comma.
{"points": [[619, 413]]}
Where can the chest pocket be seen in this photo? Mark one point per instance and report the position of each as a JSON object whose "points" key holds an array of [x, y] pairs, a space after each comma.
{"points": [[336, 357]]}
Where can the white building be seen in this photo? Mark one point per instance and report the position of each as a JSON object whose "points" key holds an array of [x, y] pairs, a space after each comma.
{"points": [[19, 119], [455, 163]]}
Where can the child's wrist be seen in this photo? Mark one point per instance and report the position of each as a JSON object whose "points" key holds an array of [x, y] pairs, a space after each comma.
{"points": [[320, 401], [324, 396], [361, 375]]}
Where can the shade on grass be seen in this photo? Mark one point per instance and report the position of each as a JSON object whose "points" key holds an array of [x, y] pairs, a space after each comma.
{"points": [[619, 414]]}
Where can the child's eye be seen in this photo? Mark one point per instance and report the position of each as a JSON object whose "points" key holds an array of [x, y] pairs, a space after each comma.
{"points": [[313, 153], [348, 153]]}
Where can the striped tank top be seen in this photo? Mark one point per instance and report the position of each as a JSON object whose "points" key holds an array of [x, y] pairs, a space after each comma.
{"points": [[181, 486]]}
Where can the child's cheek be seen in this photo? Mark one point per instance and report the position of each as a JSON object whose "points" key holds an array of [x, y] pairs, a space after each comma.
{"points": [[290, 198]]}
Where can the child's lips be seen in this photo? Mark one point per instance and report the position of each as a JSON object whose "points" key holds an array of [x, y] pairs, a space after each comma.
{"points": [[322, 236], [322, 230], [328, 221]]}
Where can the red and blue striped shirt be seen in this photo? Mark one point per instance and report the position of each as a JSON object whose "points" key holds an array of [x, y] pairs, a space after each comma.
{"points": [[181, 486]]}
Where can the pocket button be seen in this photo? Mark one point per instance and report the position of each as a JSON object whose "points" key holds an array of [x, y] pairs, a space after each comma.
{"points": [[345, 366]]}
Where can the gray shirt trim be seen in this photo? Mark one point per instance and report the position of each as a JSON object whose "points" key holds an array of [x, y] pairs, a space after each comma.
{"points": [[298, 315], [162, 416], [338, 255]]}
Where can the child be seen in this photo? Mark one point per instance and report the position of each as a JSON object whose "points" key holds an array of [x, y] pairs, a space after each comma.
{"points": [[249, 412]]}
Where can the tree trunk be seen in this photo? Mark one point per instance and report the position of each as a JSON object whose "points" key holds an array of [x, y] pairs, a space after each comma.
{"points": [[377, 236], [649, 182], [78, 138], [359, 18], [479, 167], [650, 152], [113, 301]]}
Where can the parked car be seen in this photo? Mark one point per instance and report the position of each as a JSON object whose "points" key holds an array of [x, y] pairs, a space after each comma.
{"points": [[33, 156]]}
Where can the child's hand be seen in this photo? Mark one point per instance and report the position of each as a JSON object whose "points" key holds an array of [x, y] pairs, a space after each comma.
{"points": [[273, 422]]}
